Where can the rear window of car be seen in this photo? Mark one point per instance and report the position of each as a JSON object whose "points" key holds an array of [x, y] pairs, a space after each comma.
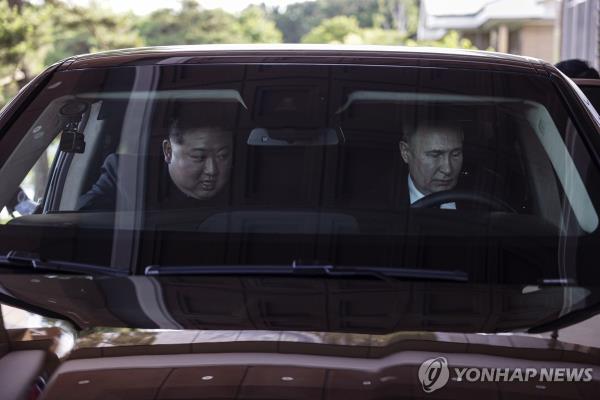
{"points": [[183, 165]]}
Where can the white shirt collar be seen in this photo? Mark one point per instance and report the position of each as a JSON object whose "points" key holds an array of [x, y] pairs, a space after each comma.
{"points": [[415, 195]]}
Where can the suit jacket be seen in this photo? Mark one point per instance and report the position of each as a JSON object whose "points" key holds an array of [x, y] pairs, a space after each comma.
{"points": [[103, 194]]}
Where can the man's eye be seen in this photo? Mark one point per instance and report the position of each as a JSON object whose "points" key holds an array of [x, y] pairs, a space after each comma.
{"points": [[457, 154], [223, 156], [199, 158]]}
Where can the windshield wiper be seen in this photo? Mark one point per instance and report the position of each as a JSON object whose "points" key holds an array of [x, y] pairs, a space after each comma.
{"points": [[26, 262], [384, 273]]}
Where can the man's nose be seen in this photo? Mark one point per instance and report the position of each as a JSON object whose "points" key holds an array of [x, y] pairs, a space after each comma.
{"points": [[446, 166], [211, 167]]}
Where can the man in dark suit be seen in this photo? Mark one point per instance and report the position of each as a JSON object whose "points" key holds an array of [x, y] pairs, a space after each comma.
{"points": [[434, 155], [198, 160]]}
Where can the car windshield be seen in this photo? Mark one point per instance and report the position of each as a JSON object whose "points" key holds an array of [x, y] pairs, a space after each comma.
{"points": [[474, 171]]}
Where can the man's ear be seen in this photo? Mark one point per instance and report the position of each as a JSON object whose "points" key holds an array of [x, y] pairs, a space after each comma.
{"points": [[404, 150], [167, 150]]}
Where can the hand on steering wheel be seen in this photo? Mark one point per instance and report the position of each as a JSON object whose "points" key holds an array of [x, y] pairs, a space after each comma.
{"points": [[434, 200]]}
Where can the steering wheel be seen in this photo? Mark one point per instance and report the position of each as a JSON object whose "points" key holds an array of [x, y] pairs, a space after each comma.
{"points": [[449, 196]]}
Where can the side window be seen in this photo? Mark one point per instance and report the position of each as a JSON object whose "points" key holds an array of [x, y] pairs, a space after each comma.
{"points": [[30, 194]]}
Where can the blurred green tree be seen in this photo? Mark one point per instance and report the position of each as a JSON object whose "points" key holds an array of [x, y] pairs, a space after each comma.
{"points": [[16, 42], [296, 20], [78, 30], [189, 25], [194, 25], [451, 40], [257, 27], [376, 36], [14, 32], [346, 30], [33, 35], [333, 30], [400, 15]]}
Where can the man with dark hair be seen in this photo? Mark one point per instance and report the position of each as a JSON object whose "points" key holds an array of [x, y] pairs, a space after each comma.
{"points": [[198, 159], [434, 155], [575, 68]]}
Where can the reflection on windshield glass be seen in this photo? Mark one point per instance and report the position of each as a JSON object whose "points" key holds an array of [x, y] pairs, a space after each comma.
{"points": [[479, 172]]}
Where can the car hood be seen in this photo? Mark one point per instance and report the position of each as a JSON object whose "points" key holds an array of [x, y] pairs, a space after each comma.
{"points": [[305, 337], [368, 306], [305, 365]]}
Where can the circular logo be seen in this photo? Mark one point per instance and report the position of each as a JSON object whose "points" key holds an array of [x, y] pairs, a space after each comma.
{"points": [[434, 374]]}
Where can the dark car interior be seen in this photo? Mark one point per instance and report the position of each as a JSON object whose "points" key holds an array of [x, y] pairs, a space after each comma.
{"points": [[317, 179]]}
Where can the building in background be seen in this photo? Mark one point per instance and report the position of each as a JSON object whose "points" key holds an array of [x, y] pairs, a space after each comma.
{"points": [[525, 27], [580, 32]]}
